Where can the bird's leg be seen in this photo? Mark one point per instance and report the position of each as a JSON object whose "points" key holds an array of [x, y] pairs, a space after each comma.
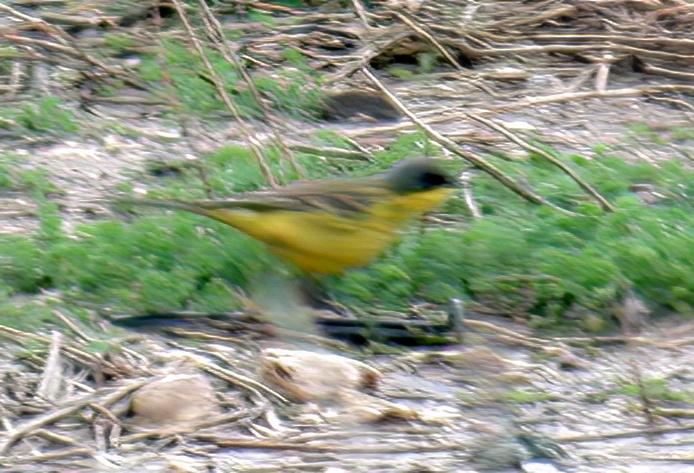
{"points": [[314, 294]]}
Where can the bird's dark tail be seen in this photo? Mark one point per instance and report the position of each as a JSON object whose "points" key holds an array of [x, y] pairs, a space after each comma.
{"points": [[164, 203]]}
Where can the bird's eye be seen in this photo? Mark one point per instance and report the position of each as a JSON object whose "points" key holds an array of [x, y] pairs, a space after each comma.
{"points": [[432, 179]]}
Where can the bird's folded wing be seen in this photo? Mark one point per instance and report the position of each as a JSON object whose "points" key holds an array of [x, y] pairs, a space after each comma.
{"points": [[350, 202]]}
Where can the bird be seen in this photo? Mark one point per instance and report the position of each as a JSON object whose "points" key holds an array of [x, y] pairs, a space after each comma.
{"points": [[330, 225]]}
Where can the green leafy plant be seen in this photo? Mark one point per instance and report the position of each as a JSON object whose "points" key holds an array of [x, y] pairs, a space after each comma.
{"points": [[293, 91], [655, 389], [427, 61], [46, 114], [518, 259], [400, 72]]}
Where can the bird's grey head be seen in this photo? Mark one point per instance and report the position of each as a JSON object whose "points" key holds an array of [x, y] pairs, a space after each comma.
{"points": [[417, 174]]}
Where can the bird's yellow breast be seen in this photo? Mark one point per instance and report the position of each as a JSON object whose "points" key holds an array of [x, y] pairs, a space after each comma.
{"points": [[318, 241]]}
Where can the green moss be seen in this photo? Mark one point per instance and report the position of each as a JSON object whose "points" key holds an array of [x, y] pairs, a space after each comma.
{"points": [[660, 134], [119, 40], [7, 52], [400, 72], [262, 17], [42, 115], [293, 91], [22, 265], [518, 258], [682, 133], [597, 397], [656, 389], [24, 314], [160, 262], [328, 137], [530, 259], [102, 346], [427, 61]]}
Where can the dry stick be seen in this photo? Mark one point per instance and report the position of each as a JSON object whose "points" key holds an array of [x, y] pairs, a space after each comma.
{"points": [[334, 152], [65, 45], [88, 339], [515, 338], [73, 353], [669, 73], [99, 409], [216, 32], [527, 146], [570, 38], [35, 424], [57, 32], [60, 48], [271, 7], [55, 437], [56, 455], [506, 334], [200, 335], [74, 20], [16, 73], [628, 92], [52, 376], [661, 12], [185, 124], [556, 98], [10, 430], [678, 102], [431, 446], [622, 433], [422, 32], [465, 178], [365, 55], [429, 37], [646, 401], [673, 412], [361, 13], [71, 325], [613, 340], [234, 378], [569, 49], [466, 155], [505, 25], [246, 415], [643, 395], [219, 86], [601, 75]]}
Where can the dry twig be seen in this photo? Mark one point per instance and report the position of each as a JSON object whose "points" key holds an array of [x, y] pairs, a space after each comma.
{"points": [[249, 135], [472, 158]]}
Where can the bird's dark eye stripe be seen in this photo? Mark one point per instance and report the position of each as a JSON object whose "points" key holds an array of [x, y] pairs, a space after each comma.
{"points": [[432, 179]]}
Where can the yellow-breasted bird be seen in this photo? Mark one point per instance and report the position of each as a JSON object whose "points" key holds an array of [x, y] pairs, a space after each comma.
{"points": [[329, 225]]}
